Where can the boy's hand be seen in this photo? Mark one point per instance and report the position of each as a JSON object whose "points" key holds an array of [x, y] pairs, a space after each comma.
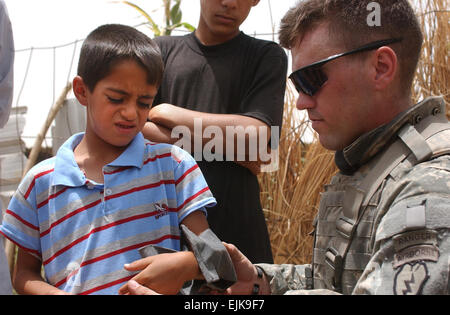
{"points": [[135, 288], [165, 273]]}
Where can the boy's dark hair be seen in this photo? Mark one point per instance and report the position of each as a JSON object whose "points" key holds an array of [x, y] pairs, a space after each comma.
{"points": [[109, 44], [348, 26]]}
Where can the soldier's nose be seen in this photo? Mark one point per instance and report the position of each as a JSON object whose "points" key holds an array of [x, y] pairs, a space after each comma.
{"points": [[305, 102]]}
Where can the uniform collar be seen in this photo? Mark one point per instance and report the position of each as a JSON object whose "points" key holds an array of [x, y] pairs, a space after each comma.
{"points": [[368, 145], [67, 172]]}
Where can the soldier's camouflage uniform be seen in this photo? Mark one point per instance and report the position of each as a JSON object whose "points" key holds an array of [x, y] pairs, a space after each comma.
{"points": [[399, 242]]}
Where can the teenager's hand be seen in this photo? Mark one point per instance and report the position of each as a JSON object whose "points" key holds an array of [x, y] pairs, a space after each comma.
{"points": [[167, 115], [157, 133]]}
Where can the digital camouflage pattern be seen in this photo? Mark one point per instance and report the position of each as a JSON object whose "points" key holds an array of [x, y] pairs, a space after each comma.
{"points": [[402, 243]]}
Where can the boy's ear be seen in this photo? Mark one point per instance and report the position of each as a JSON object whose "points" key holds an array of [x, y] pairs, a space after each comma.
{"points": [[80, 90], [255, 2]]}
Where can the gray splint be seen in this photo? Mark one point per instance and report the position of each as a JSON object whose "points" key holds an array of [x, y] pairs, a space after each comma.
{"points": [[212, 257]]}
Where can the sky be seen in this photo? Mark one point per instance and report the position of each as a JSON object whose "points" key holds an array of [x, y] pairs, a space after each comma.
{"points": [[42, 72]]}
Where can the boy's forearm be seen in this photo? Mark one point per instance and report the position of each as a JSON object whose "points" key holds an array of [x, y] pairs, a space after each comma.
{"points": [[192, 267], [30, 283], [27, 276]]}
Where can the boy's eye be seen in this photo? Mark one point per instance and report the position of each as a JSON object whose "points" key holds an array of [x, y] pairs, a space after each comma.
{"points": [[144, 105], [115, 100]]}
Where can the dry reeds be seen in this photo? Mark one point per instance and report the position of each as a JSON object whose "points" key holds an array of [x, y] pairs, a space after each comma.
{"points": [[433, 73], [290, 196]]}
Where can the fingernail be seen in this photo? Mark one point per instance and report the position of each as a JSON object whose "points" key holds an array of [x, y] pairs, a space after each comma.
{"points": [[132, 284], [126, 265]]}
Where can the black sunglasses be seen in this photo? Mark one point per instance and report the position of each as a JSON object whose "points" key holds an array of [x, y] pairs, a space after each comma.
{"points": [[310, 79]]}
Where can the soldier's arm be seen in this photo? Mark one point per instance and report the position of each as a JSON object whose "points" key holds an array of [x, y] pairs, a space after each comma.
{"points": [[285, 278], [275, 279]]}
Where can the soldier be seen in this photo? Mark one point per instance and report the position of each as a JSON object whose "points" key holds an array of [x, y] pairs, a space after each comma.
{"points": [[383, 225]]}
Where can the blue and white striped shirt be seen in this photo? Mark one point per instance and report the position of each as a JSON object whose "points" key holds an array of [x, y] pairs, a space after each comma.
{"points": [[84, 232]]}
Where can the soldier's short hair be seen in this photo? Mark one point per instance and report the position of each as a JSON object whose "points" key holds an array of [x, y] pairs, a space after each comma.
{"points": [[349, 27], [109, 44]]}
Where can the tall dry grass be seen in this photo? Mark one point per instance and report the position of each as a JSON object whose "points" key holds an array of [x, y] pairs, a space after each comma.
{"points": [[433, 74], [290, 196]]}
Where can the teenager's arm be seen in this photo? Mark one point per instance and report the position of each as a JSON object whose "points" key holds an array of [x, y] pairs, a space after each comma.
{"points": [[157, 133], [171, 116], [27, 276]]}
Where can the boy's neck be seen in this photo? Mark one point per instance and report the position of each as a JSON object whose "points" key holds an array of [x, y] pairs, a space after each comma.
{"points": [[92, 155]]}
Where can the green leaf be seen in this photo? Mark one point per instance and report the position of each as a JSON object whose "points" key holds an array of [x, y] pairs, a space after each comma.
{"points": [[153, 26], [173, 21], [175, 13], [187, 26]]}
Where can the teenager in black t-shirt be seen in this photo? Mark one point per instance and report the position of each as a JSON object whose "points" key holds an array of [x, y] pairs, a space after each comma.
{"points": [[218, 77]]}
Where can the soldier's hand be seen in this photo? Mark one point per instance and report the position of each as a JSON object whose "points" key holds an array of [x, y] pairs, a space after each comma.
{"points": [[246, 274]]}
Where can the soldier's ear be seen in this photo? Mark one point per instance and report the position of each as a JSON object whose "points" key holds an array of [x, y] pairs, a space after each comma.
{"points": [[255, 2], [385, 64], [80, 90]]}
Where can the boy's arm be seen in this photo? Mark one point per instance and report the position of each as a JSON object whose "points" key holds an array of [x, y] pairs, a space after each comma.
{"points": [[196, 222], [27, 276], [166, 273]]}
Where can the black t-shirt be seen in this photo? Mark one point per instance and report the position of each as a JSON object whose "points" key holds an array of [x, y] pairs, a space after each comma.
{"points": [[245, 76]]}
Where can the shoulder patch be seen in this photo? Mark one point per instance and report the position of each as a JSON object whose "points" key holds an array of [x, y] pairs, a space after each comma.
{"points": [[410, 279], [416, 253], [407, 239]]}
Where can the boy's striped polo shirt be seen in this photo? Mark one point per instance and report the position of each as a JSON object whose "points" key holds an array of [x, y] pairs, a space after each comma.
{"points": [[84, 232]]}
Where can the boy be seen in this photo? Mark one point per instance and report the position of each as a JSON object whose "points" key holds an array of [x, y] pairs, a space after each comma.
{"points": [[84, 213]]}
